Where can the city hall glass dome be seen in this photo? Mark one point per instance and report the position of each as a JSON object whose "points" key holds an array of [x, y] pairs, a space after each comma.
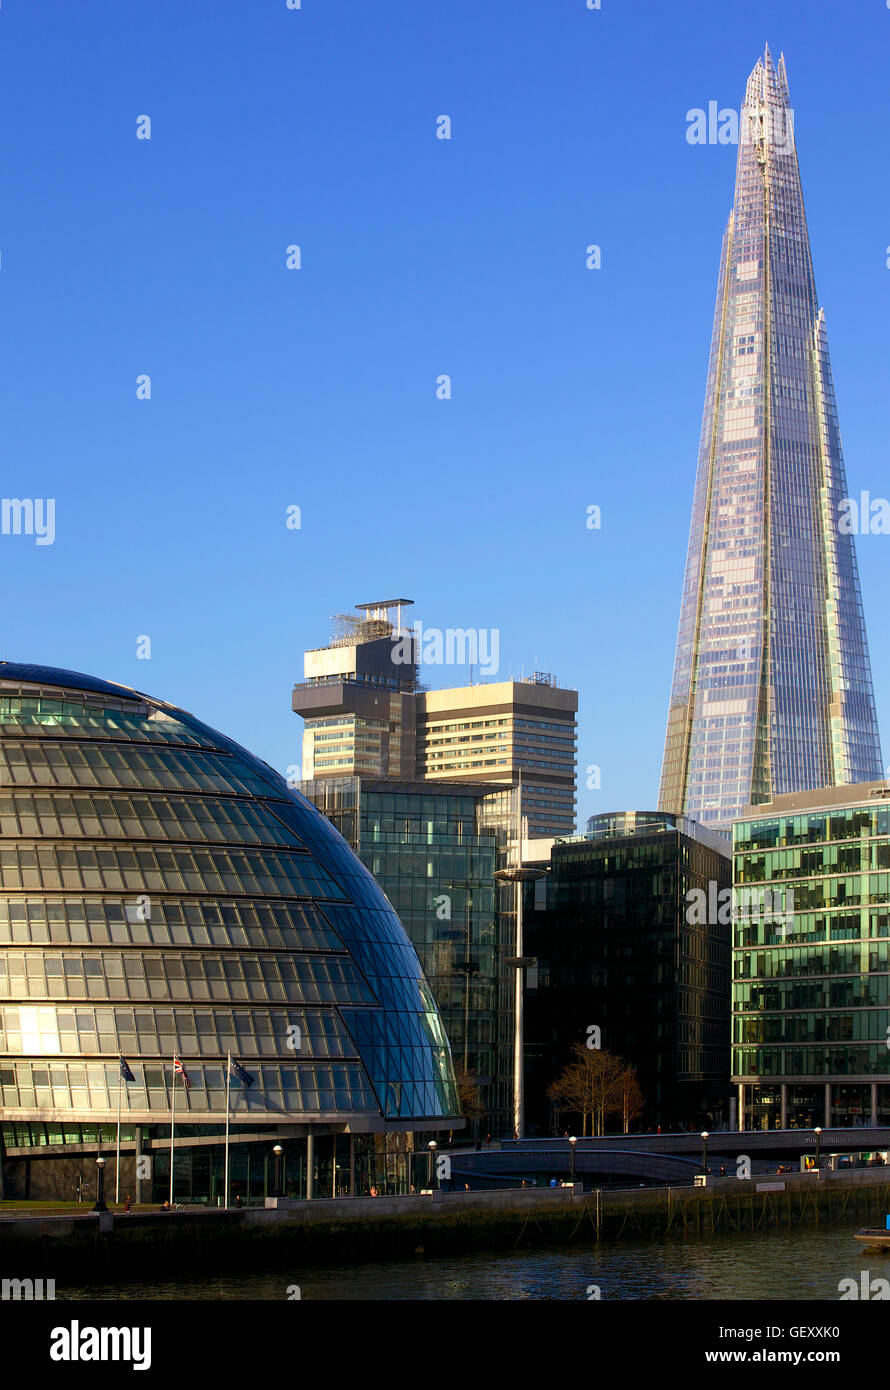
{"points": [[163, 891]]}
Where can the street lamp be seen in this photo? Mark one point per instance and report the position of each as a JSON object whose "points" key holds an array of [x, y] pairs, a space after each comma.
{"points": [[704, 1151], [572, 1142], [277, 1151], [432, 1146], [818, 1133], [100, 1186], [520, 963]]}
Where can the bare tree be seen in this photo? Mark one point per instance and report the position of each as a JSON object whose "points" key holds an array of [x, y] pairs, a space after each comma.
{"points": [[632, 1103], [572, 1091], [605, 1069], [595, 1086], [472, 1106]]}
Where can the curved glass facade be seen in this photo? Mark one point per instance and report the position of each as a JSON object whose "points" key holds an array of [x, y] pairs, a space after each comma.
{"points": [[163, 891]]}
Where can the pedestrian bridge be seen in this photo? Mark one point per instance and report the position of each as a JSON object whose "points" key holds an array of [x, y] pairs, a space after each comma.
{"points": [[650, 1158], [508, 1167]]}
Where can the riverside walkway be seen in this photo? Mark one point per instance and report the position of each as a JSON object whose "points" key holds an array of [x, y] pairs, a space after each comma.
{"points": [[328, 1231]]}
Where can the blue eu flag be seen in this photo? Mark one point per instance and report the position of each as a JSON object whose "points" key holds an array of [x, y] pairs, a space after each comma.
{"points": [[243, 1076], [125, 1071]]}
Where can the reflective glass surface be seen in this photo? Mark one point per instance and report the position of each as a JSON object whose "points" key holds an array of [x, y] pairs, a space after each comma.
{"points": [[616, 945], [161, 891], [772, 687], [811, 981], [436, 864]]}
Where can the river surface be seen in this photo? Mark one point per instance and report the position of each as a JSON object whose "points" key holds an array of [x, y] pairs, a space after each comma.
{"points": [[803, 1263]]}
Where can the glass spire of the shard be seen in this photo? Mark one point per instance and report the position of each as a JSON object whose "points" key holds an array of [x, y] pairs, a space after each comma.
{"points": [[772, 685]]}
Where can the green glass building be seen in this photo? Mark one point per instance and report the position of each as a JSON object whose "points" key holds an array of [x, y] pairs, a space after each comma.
{"points": [[811, 988], [429, 850]]}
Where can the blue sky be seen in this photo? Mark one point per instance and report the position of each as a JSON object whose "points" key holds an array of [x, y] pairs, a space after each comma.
{"points": [[316, 388]]}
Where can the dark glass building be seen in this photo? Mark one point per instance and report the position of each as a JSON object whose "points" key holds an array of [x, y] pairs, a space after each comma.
{"points": [[164, 891], [428, 850], [811, 987], [631, 936]]}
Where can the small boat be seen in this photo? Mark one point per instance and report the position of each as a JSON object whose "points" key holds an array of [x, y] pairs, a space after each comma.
{"points": [[874, 1238]]}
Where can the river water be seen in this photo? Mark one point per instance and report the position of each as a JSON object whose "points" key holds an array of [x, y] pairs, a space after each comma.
{"points": [[804, 1263]]}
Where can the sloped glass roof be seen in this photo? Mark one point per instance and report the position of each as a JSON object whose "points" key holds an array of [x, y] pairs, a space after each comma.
{"points": [[163, 890]]}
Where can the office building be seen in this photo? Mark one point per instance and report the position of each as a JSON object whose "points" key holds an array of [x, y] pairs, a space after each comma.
{"points": [[358, 704], [496, 744], [630, 930], [811, 971], [367, 714], [495, 732], [431, 853], [772, 688]]}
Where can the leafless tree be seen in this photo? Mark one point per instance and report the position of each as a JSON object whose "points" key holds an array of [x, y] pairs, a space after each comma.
{"points": [[632, 1103], [472, 1106], [595, 1086]]}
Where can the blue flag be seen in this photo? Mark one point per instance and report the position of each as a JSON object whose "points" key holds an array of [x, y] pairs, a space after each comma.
{"points": [[243, 1076], [125, 1071]]}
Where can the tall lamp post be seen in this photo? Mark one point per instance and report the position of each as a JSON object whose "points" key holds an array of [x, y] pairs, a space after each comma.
{"points": [[818, 1133], [100, 1186], [572, 1142], [277, 1151], [431, 1146], [704, 1151], [519, 876]]}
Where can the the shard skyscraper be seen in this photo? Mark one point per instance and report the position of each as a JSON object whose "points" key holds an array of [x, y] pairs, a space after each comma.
{"points": [[772, 685]]}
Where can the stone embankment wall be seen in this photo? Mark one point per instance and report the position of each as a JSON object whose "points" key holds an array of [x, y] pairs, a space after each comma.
{"points": [[325, 1232]]}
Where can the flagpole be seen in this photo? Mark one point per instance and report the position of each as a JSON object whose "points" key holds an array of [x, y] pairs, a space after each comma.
{"points": [[117, 1164], [228, 1075], [172, 1123]]}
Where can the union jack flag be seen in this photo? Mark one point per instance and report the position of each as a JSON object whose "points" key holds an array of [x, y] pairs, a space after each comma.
{"points": [[179, 1070]]}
